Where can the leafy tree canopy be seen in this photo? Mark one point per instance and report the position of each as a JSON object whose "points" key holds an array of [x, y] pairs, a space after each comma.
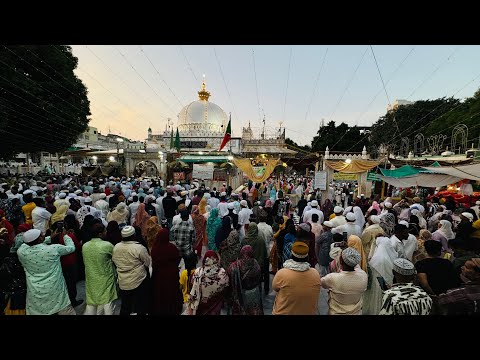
{"points": [[43, 104]]}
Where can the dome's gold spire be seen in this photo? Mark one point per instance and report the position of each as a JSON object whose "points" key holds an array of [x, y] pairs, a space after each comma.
{"points": [[203, 94]]}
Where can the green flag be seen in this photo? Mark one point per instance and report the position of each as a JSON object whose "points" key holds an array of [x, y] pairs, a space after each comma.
{"points": [[171, 140], [177, 141], [228, 134]]}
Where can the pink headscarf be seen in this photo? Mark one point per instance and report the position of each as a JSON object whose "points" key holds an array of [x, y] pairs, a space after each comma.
{"points": [[375, 206]]}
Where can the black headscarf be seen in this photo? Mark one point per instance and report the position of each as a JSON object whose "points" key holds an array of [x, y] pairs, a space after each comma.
{"points": [[223, 231]]}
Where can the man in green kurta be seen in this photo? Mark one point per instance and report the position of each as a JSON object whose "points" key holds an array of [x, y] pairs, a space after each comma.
{"points": [[100, 274], [46, 289]]}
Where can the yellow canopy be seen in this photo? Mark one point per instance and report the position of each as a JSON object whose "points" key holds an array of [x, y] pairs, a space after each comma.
{"points": [[354, 167], [246, 166]]}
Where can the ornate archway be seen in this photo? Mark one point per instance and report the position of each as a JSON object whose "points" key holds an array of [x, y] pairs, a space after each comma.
{"points": [[418, 144], [461, 131], [145, 168], [404, 147]]}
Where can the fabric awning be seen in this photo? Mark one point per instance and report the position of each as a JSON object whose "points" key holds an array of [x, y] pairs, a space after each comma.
{"points": [[424, 180], [353, 167], [403, 171], [471, 172]]}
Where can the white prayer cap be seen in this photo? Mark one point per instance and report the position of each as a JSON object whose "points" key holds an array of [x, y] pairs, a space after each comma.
{"points": [[3, 184], [468, 216], [414, 211], [351, 216], [314, 203], [133, 193], [328, 224], [243, 203], [128, 231], [88, 199], [337, 209], [223, 193], [77, 192], [31, 235], [90, 183], [375, 219], [62, 195], [477, 202], [124, 182], [103, 196], [388, 204], [86, 192], [130, 198], [150, 190], [26, 192], [230, 205], [404, 223], [403, 267]]}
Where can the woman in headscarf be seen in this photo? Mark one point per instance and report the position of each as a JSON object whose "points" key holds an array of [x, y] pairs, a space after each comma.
{"points": [[276, 254], [199, 224], [13, 286], [49, 199], [74, 206], [355, 242], [444, 234], [413, 225], [230, 249], [213, 224], [388, 224], [59, 215], [141, 218], [86, 229], [374, 206], [433, 221], [288, 241], [114, 235], [4, 223], [202, 206], [421, 253], [381, 266], [245, 277], [269, 209], [223, 231], [119, 214], [327, 208], [256, 240], [167, 296], [152, 230], [359, 217], [210, 282], [98, 215]]}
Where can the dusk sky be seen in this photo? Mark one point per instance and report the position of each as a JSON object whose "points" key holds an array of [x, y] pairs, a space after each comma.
{"points": [[341, 83]]}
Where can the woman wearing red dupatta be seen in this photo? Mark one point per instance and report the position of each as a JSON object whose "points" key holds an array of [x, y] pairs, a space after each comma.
{"points": [[209, 285], [245, 279], [199, 223], [167, 296]]}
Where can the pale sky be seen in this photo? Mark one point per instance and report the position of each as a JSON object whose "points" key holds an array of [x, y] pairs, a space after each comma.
{"points": [[339, 83]]}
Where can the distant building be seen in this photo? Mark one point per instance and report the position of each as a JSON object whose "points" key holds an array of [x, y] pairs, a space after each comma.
{"points": [[397, 103]]}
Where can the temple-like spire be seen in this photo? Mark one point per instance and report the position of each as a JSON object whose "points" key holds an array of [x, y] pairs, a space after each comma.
{"points": [[203, 94]]}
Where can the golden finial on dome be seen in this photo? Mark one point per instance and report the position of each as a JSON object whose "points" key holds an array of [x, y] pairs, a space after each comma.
{"points": [[203, 94]]}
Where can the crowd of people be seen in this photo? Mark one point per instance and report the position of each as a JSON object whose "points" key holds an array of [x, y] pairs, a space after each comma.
{"points": [[171, 249]]}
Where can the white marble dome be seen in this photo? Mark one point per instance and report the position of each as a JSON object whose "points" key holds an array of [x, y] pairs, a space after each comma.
{"points": [[201, 117]]}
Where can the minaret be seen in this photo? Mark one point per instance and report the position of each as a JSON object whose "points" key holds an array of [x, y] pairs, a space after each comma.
{"points": [[149, 133]]}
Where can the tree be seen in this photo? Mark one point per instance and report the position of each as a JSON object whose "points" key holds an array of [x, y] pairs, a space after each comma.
{"points": [[294, 145], [339, 138], [43, 104], [409, 120]]}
